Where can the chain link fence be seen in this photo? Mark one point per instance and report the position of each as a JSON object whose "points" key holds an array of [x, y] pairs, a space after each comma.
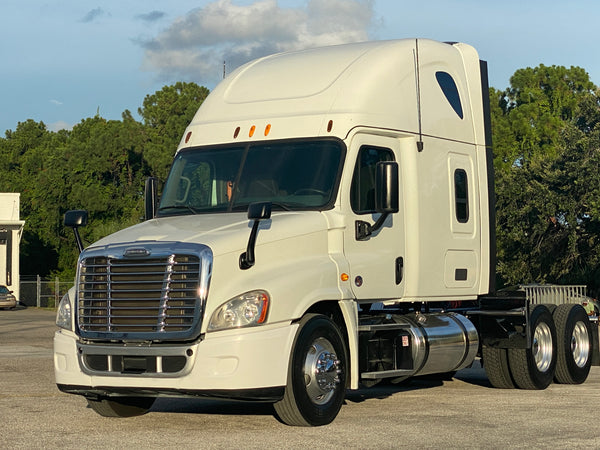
{"points": [[42, 292]]}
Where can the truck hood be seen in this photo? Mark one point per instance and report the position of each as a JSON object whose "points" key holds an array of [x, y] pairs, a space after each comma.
{"points": [[223, 233]]}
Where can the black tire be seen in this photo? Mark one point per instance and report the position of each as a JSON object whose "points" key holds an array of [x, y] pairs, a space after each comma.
{"points": [[495, 363], [574, 333], [534, 368], [121, 406], [316, 384]]}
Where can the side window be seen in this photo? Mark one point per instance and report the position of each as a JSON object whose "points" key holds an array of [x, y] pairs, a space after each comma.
{"points": [[362, 191], [461, 195], [450, 90]]}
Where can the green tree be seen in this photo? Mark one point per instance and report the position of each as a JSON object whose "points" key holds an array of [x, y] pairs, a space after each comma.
{"points": [[547, 148], [166, 114], [24, 158], [99, 166]]}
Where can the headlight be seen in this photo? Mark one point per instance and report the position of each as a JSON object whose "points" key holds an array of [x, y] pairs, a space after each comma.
{"points": [[246, 310], [63, 315]]}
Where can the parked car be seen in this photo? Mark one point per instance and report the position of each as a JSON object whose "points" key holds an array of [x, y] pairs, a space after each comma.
{"points": [[7, 299]]}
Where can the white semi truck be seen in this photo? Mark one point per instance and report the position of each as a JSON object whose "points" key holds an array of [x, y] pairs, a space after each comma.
{"points": [[327, 223]]}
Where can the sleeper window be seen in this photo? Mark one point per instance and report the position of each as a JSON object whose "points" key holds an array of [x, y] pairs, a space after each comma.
{"points": [[450, 90], [461, 195]]}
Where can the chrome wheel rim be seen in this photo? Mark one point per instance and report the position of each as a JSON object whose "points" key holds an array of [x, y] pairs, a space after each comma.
{"points": [[321, 371], [580, 344], [542, 347]]}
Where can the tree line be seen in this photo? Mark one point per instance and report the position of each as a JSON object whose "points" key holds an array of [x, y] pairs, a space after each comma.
{"points": [[100, 165], [546, 135], [546, 132]]}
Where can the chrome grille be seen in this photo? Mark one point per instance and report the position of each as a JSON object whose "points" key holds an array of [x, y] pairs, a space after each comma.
{"points": [[158, 297]]}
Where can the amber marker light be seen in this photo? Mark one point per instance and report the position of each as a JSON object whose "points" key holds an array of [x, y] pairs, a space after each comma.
{"points": [[236, 132], [265, 307], [188, 136], [252, 130], [330, 126], [267, 129], [344, 277]]}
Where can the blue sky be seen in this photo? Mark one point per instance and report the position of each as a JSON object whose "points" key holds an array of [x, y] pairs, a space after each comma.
{"points": [[65, 60]]}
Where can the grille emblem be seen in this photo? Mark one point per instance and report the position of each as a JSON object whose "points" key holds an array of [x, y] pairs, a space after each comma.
{"points": [[136, 252]]}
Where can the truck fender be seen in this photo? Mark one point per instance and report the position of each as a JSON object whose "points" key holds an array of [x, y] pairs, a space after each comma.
{"points": [[349, 310]]}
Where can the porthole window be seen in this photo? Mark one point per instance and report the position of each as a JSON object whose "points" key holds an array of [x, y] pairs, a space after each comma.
{"points": [[450, 90], [461, 195]]}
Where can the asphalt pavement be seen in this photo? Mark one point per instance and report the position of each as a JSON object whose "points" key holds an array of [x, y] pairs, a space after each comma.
{"points": [[465, 412]]}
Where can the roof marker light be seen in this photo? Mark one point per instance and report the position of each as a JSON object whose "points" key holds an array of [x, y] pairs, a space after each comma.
{"points": [[188, 136], [252, 129], [267, 129], [236, 132], [330, 126]]}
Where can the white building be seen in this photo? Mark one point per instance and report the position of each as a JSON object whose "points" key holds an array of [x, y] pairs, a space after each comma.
{"points": [[11, 230]]}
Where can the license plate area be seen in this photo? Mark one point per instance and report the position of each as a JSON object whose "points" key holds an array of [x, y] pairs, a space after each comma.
{"points": [[135, 364]]}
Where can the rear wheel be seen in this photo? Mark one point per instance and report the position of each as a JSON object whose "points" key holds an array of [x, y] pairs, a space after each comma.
{"points": [[534, 368], [495, 363], [316, 384], [121, 406], [574, 333]]}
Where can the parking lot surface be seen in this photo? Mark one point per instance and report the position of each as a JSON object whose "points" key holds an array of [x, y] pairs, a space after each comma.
{"points": [[426, 413]]}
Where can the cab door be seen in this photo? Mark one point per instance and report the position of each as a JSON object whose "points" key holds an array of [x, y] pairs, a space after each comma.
{"points": [[376, 262]]}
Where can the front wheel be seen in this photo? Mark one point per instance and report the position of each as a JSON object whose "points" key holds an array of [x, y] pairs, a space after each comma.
{"points": [[316, 384], [121, 406]]}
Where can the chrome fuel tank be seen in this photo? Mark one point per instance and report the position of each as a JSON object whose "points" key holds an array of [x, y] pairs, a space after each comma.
{"points": [[403, 345], [442, 342]]}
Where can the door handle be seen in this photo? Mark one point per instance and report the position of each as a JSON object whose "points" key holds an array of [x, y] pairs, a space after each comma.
{"points": [[399, 269]]}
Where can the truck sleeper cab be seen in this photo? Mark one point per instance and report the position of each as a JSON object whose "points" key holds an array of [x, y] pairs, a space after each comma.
{"points": [[314, 233]]}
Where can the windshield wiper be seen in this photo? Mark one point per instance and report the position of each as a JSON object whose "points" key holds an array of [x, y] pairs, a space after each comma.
{"points": [[175, 208], [284, 206]]}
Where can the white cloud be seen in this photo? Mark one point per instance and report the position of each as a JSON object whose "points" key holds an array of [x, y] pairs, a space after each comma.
{"points": [[194, 46], [56, 102]]}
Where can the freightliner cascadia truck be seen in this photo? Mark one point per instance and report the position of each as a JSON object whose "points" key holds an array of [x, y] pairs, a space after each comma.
{"points": [[327, 223]]}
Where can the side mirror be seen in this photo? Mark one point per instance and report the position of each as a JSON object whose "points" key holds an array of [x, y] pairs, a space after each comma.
{"points": [[387, 198], [259, 211], [256, 212], [386, 187], [150, 198], [75, 219]]}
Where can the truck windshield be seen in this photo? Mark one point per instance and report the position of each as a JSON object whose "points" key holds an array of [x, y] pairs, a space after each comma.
{"points": [[294, 175]]}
